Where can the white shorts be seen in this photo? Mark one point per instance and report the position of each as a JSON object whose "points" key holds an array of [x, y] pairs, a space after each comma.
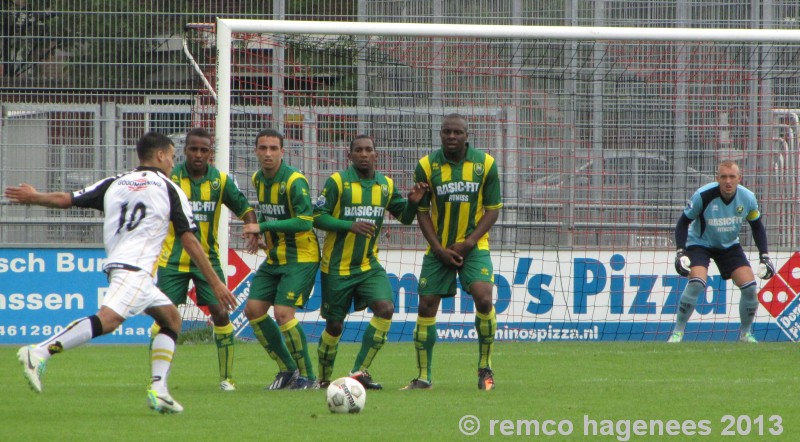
{"points": [[131, 293]]}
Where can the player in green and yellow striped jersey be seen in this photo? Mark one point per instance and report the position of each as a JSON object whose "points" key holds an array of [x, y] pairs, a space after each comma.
{"points": [[286, 278], [207, 189], [351, 209], [455, 217]]}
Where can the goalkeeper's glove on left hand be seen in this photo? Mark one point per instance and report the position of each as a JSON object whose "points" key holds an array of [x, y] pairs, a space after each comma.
{"points": [[765, 268], [682, 263]]}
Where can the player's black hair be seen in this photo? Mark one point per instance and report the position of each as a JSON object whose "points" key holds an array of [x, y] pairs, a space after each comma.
{"points": [[360, 137], [150, 143], [455, 116], [270, 133], [201, 132]]}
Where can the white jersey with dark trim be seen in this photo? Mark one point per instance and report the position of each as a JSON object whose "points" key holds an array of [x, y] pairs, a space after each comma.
{"points": [[138, 206]]}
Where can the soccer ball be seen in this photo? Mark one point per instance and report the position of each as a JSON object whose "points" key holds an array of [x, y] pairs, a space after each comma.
{"points": [[346, 395]]}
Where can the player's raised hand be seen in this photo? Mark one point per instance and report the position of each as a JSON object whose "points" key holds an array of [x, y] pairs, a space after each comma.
{"points": [[363, 228], [417, 192], [766, 269], [22, 194], [27, 194], [682, 263]]}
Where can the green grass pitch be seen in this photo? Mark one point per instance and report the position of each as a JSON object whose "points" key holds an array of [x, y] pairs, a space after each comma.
{"points": [[597, 391]]}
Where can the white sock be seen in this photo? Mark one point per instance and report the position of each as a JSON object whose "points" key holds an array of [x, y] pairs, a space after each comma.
{"points": [[161, 361], [77, 333]]}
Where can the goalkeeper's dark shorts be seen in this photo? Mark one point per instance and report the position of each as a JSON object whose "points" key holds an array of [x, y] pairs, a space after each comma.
{"points": [[727, 260]]}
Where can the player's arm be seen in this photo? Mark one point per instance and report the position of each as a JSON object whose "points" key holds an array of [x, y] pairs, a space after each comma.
{"points": [[329, 223], [235, 200], [694, 208], [326, 204], [448, 257], [291, 225], [252, 239], [484, 225], [27, 194], [182, 222], [682, 231], [249, 217], [405, 210], [682, 262], [765, 267], [195, 251], [492, 203], [757, 227]]}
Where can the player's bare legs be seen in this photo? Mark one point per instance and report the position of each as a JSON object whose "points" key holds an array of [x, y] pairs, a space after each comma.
{"points": [[34, 357]]}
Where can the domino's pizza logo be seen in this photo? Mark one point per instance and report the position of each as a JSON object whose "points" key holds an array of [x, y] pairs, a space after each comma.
{"points": [[239, 284], [780, 297]]}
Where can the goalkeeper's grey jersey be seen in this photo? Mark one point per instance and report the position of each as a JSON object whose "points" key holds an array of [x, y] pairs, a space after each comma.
{"points": [[716, 223], [138, 206]]}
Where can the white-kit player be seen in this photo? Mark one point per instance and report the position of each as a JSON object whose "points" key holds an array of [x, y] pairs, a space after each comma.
{"points": [[138, 207]]}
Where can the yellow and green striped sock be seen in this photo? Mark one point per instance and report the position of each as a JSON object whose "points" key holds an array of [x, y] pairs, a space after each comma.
{"points": [[326, 352], [269, 336], [486, 325], [372, 341], [223, 337], [295, 339], [424, 339]]}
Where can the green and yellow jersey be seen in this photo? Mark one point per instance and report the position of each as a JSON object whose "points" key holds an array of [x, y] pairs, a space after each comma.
{"points": [[349, 198], [283, 198], [459, 194], [206, 195]]}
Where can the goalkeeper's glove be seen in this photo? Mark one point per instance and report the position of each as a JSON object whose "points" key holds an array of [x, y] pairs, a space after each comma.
{"points": [[765, 268], [682, 263]]}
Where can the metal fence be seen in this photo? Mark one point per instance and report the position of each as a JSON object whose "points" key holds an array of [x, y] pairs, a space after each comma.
{"points": [[80, 81]]}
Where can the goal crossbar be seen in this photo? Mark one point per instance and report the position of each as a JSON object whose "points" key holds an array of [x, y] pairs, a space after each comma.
{"points": [[506, 31]]}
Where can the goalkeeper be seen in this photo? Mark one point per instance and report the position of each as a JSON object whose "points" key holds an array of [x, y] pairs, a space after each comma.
{"points": [[709, 229], [351, 210]]}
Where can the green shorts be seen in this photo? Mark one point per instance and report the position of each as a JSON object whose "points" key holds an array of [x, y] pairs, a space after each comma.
{"points": [[175, 284], [288, 284], [361, 290], [438, 279]]}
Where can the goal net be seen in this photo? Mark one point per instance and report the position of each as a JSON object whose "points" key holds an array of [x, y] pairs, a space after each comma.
{"points": [[601, 136]]}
